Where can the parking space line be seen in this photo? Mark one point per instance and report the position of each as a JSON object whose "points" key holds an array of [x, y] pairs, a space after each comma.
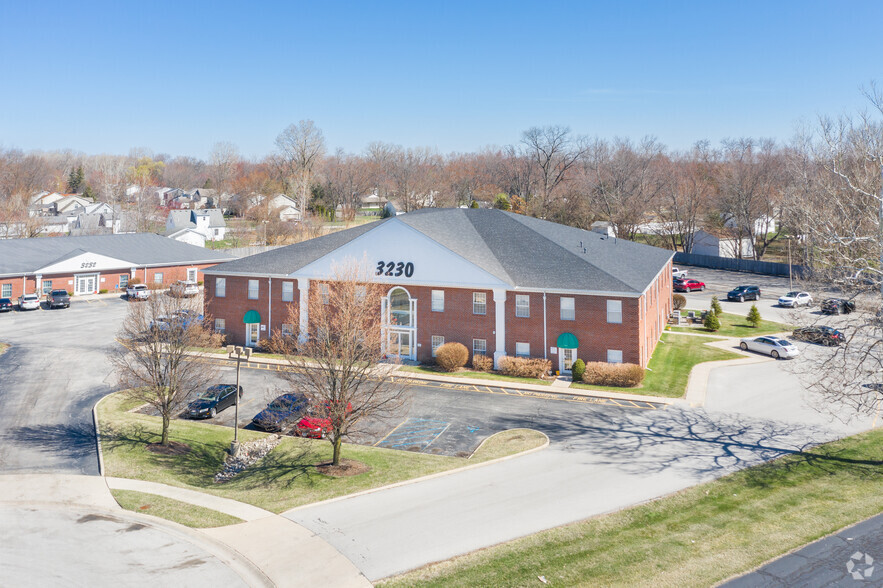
{"points": [[391, 432]]}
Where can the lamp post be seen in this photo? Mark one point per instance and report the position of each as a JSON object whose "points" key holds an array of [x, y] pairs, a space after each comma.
{"points": [[239, 353], [790, 282]]}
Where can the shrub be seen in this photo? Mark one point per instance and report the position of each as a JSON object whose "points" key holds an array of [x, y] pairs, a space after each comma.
{"points": [[218, 340], [524, 367], [711, 322], [451, 356], [133, 281], [103, 291], [199, 283], [577, 370], [501, 201], [753, 317], [716, 305], [678, 301], [621, 375], [482, 363]]}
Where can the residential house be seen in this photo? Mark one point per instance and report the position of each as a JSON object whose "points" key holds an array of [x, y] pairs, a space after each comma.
{"points": [[705, 243]]}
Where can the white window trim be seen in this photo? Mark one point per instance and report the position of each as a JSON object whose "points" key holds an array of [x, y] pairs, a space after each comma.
{"points": [[434, 346], [220, 287], [482, 304], [619, 351], [442, 301], [475, 351], [287, 291], [6, 288], [257, 290], [517, 354], [572, 310], [522, 307], [223, 325], [614, 313]]}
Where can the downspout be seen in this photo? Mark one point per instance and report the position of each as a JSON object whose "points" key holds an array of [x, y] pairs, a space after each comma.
{"points": [[270, 310], [545, 342]]}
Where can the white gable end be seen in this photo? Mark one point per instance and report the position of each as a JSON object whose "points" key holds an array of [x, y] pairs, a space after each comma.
{"points": [[87, 262], [407, 255]]}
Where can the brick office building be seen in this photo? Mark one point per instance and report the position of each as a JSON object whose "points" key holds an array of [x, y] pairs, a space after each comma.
{"points": [[89, 264], [500, 283]]}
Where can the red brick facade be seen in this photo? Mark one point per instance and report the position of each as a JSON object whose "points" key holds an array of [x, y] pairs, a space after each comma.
{"points": [[643, 318], [107, 280]]}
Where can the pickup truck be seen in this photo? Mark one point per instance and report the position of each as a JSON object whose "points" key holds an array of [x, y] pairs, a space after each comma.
{"points": [[138, 292], [58, 299], [678, 273]]}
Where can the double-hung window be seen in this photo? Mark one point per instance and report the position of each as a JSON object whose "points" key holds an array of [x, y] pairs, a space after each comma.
{"points": [[438, 301], [522, 305], [124, 280], [220, 287], [325, 293], [479, 346], [568, 310], [47, 286], [287, 330], [6, 291], [220, 325], [614, 311], [287, 291], [479, 303], [253, 289], [522, 350], [614, 356], [157, 278], [437, 341]]}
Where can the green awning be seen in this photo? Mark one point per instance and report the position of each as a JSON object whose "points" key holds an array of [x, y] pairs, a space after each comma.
{"points": [[565, 341], [252, 316]]}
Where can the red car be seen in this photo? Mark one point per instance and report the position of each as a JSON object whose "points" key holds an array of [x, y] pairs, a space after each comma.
{"points": [[689, 285], [313, 427]]}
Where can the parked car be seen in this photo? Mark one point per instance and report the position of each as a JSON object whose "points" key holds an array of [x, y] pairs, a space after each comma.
{"points": [[28, 302], [837, 306], [5, 304], [772, 346], [183, 288], [678, 273], [58, 299], [794, 299], [282, 413], [138, 292], [743, 293], [180, 319], [689, 285], [212, 401], [819, 334], [316, 426]]}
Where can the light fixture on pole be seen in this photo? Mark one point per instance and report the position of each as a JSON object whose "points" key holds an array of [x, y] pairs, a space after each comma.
{"points": [[236, 352]]}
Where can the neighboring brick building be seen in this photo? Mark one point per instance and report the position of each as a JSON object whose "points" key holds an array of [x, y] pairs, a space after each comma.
{"points": [[89, 264], [500, 283]]}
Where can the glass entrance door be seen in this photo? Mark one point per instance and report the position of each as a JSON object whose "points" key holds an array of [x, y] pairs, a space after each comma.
{"points": [[85, 284], [567, 357], [399, 344], [252, 331]]}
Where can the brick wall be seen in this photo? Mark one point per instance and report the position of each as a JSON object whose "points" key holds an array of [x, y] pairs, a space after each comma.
{"points": [[636, 337]]}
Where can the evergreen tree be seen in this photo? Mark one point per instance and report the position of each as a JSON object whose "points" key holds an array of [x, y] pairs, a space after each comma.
{"points": [[75, 180], [711, 322], [754, 316], [501, 201], [474, 204], [715, 305]]}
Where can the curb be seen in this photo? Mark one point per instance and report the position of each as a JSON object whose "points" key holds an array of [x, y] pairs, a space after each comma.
{"points": [[426, 477], [98, 434]]}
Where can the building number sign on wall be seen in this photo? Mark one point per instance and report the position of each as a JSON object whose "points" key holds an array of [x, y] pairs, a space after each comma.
{"points": [[392, 268], [87, 265]]}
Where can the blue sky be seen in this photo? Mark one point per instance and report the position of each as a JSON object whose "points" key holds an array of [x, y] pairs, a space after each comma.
{"points": [[176, 77]]}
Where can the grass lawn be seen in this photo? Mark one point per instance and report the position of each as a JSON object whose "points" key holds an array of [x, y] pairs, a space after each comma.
{"points": [[735, 325], [466, 373], [508, 443], [285, 478], [696, 537], [672, 361], [173, 510]]}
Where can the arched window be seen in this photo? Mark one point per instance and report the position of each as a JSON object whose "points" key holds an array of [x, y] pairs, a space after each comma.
{"points": [[400, 308]]}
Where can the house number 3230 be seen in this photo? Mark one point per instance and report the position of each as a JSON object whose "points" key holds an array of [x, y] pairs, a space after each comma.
{"points": [[392, 268]]}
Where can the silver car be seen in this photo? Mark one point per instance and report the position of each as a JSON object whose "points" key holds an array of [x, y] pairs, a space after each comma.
{"points": [[794, 299], [28, 302], [772, 346]]}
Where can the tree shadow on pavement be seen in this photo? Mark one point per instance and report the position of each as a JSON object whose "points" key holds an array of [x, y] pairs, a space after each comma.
{"points": [[62, 440], [693, 442]]}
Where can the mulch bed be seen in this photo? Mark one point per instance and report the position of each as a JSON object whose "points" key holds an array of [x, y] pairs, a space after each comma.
{"points": [[347, 467], [173, 448]]}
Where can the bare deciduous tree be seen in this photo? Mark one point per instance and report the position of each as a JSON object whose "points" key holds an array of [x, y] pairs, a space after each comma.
{"points": [[301, 147], [338, 364], [553, 151], [153, 363]]}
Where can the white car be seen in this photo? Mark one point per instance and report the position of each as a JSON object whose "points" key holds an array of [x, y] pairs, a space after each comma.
{"points": [[772, 346], [138, 291], [795, 299], [184, 288], [28, 302]]}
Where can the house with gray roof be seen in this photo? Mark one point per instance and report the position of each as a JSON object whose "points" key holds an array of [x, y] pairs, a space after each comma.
{"points": [[498, 282], [208, 222], [90, 264]]}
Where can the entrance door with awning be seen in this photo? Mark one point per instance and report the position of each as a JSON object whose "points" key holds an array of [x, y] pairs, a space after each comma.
{"points": [[567, 345], [252, 320]]}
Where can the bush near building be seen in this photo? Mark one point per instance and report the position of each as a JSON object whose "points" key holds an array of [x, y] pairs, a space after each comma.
{"points": [[716, 305], [524, 367], [623, 375], [451, 356], [678, 301], [753, 317], [711, 322], [577, 370], [482, 363]]}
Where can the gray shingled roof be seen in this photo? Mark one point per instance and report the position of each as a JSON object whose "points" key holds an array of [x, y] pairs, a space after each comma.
{"points": [[24, 256], [522, 251]]}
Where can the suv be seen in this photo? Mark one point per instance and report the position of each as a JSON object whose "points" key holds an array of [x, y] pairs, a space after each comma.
{"points": [[743, 293], [138, 292], [819, 334], [183, 288], [837, 306], [28, 302], [58, 299]]}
